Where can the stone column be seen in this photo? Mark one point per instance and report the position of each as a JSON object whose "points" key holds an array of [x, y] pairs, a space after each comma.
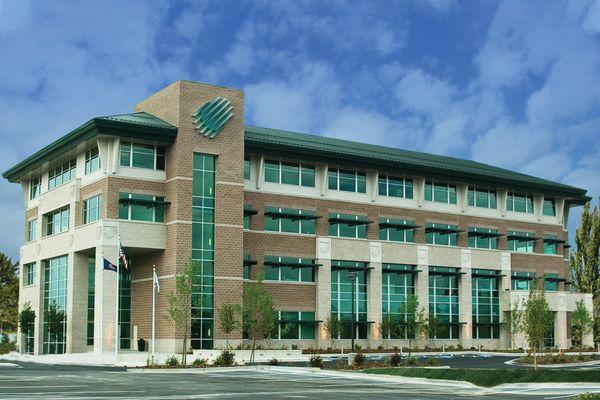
{"points": [[77, 294], [588, 339], [422, 282], [374, 294], [560, 322], [323, 279], [505, 303], [465, 300], [106, 289]]}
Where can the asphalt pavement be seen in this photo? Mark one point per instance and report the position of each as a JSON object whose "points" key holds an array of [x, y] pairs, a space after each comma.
{"points": [[19, 380]]}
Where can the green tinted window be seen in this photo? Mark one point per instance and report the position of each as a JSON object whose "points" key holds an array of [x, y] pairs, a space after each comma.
{"points": [[549, 207]]}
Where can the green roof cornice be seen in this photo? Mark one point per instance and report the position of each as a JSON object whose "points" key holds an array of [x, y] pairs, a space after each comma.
{"points": [[314, 147], [140, 125]]}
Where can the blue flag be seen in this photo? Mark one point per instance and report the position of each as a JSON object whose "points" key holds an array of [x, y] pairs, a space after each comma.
{"points": [[109, 266]]}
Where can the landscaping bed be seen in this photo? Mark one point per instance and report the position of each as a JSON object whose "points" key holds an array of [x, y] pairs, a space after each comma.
{"points": [[489, 378], [550, 359]]}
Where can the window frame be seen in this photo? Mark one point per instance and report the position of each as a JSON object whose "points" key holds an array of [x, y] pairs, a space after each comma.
{"points": [[452, 237], [472, 196], [357, 182], [301, 172], [154, 198], [35, 187], [50, 220], [87, 218], [32, 227], [386, 183], [528, 200], [156, 148], [492, 244], [446, 186], [67, 169], [552, 204], [29, 274], [512, 244]]}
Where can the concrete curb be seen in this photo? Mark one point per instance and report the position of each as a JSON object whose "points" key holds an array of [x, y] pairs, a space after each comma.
{"points": [[565, 365]]}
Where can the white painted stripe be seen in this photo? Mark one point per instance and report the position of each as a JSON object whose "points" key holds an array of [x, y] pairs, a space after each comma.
{"points": [[179, 221], [179, 178], [229, 278], [230, 226]]}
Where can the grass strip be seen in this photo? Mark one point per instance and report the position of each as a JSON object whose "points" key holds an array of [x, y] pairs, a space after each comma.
{"points": [[493, 377]]}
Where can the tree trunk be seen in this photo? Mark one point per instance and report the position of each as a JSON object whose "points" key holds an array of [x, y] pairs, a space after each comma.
{"points": [[535, 359], [252, 352], [409, 346]]}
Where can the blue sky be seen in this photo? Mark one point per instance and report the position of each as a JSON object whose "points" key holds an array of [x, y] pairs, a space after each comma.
{"points": [[514, 84]]}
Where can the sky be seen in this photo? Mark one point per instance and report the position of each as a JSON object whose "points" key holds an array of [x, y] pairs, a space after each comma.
{"points": [[514, 84]]}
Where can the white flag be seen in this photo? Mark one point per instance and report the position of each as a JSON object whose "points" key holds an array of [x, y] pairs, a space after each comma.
{"points": [[155, 280]]}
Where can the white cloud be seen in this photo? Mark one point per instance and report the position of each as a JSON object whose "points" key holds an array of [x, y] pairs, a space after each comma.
{"points": [[421, 92]]}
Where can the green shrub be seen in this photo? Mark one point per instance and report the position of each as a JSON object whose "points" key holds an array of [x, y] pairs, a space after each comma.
{"points": [[200, 363], [395, 360], [316, 361], [294, 347], [359, 360], [589, 396], [357, 348], [431, 362], [225, 359], [410, 362], [273, 361], [5, 339], [172, 361]]}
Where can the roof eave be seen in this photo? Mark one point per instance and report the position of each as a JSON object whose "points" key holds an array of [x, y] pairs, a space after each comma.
{"points": [[93, 127]]}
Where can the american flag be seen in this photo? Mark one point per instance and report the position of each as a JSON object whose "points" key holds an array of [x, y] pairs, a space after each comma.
{"points": [[122, 255]]}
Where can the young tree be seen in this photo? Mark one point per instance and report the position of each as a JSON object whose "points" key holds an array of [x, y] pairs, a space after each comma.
{"points": [[54, 317], [229, 320], [413, 319], [180, 303], [333, 326], [387, 327], [9, 293], [26, 325], [585, 261], [537, 319], [581, 323], [260, 315], [515, 322], [432, 326]]}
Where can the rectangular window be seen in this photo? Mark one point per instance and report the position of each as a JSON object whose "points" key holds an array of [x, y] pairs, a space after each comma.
{"points": [[395, 187], [519, 203], [397, 284], [92, 209], [396, 230], [551, 282], [341, 298], [35, 188], [347, 181], [549, 207], [289, 269], [441, 234], [481, 198], [203, 251], [29, 274], [32, 230], [289, 220], [140, 155], [483, 238], [62, 174], [521, 242], [440, 192], [145, 211], [485, 303], [443, 302], [246, 168], [92, 160], [57, 221], [289, 173], [347, 225], [521, 280], [550, 244], [295, 325], [55, 298]]}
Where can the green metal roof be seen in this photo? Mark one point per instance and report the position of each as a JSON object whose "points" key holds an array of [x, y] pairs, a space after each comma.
{"points": [[320, 147], [139, 125]]}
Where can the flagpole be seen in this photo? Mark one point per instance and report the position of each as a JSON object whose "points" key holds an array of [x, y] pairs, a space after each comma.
{"points": [[117, 306], [153, 308], [102, 307]]}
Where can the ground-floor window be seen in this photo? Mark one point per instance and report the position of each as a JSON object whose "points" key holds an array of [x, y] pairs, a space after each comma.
{"points": [[55, 305], [485, 301], [345, 275], [443, 302], [549, 342], [124, 307], [295, 325], [397, 285]]}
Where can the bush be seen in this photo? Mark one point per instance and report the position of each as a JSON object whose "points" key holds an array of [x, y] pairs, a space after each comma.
{"points": [[316, 361], [357, 348], [225, 359], [172, 361], [200, 363], [273, 361], [410, 362], [359, 360], [589, 396], [380, 347], [294, 347], [431, 362], [5, 339], [395, 360]]}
